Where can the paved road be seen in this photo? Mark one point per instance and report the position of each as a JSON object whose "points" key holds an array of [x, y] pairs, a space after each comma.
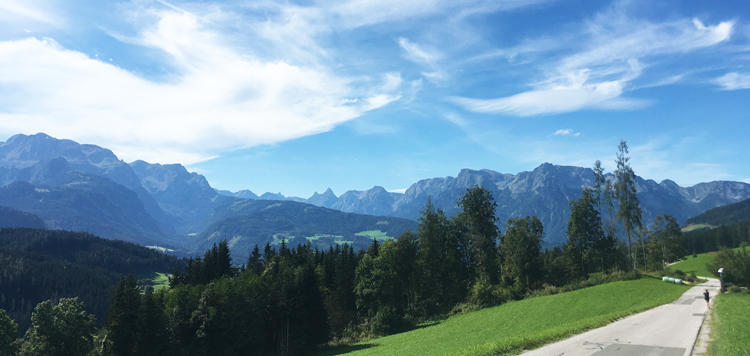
{"points": [[668, 330]]}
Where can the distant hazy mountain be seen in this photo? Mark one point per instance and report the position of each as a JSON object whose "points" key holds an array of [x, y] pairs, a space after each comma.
{"points": [[545, 192], [21, 153], [244, 194], [185, 196], [87, 188]]}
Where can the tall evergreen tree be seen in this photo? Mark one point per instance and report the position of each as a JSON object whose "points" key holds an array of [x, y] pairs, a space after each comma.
{"points": [[477, 223], [152, 326], [599, 182], [629, 212], [585, 235], [521, 252], [122, 318]]}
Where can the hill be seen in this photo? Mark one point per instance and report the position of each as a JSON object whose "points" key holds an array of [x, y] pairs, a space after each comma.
{"points": [[36, 265], [10, 217], [247, 223], [723, 215]]}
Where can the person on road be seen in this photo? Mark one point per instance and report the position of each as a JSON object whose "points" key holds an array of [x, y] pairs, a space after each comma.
{"points": [[705, 296]]}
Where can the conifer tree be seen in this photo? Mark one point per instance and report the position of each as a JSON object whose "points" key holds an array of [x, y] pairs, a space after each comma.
{"points": [[122, 318], [629, 212], [477, 223]]}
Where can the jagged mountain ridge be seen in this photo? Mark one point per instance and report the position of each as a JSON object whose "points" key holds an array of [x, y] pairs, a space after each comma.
{"points": [[184, 202], [545, 192]]}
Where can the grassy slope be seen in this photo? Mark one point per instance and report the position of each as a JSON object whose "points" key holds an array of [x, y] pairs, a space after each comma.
{"points": [[730, 333], [696, 264], [157, 280], [511, 327]]}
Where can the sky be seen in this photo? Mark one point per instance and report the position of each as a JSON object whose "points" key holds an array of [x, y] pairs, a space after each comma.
{"points": [[300, 96]]}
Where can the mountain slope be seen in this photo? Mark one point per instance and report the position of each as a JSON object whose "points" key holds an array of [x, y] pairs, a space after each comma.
{"points": [[10, 217], [21, 152], [723, 215], [185, 196], [86, 202], [546, 192]]}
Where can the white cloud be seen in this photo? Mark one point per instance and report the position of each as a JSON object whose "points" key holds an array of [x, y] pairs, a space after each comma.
{"points": [[15, 11], [567, 132], [733, 81], [609, 55], [416, 53], [218, 98]]}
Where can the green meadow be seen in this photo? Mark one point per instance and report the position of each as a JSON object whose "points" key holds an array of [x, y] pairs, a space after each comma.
{"points": [[696, 264], [512, 327], [156, 280], [730, 325]]}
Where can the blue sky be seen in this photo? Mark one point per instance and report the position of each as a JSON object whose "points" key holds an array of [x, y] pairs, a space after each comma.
{"points": [[296, 97]]}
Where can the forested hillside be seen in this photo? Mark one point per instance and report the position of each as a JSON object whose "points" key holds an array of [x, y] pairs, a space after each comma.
{"points": [[36, 265], [258, 222], [10, 217], [723, 215]]}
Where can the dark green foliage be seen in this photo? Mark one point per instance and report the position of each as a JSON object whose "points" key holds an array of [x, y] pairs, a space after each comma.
{"points": [[586, 243], [36, 265], [707, 240], [64, 329], [122, 318], [736, 266], [520, 250], [477, 225], [442, 263], [8, 330], [664, 245], [629, 212], [216, 263]]}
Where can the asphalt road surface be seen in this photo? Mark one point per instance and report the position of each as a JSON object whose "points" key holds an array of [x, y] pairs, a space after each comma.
{"points": [[668, 330]]}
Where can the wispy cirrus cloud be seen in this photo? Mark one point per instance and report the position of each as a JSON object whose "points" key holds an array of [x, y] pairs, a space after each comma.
{"points": [[217, 99], [611, 54], [733, 81]]}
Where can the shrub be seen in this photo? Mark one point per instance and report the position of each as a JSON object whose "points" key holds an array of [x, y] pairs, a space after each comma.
{"points": [[734, 289], [386, 321], [485, 294]]}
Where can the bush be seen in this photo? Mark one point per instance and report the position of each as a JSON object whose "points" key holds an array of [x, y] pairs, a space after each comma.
{"points": [[386, 321], [734, 289], [484, 294]]}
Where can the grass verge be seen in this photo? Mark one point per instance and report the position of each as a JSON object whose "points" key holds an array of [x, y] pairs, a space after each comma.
{"points": [[730, 334], [527, 324]]}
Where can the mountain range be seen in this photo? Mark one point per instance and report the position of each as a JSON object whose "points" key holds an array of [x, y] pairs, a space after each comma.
{"points": [[83, 187]]}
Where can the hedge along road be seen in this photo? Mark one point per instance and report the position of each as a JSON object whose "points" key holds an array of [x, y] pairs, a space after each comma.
{"points": [[668, 330]]}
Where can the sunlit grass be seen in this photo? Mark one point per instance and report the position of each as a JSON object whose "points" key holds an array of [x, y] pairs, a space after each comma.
{"points": [[513, 327], [730, 325]]}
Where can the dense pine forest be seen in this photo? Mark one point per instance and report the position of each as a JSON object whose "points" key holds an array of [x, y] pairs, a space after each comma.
{"points": [[36, 265]]}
